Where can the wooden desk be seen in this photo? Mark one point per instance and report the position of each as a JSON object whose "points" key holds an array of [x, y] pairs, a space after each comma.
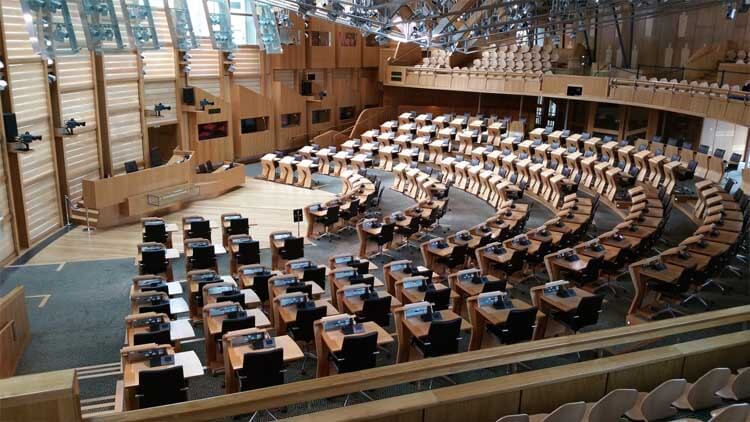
{"points": [[233, 359], [415, 327], [608, 254], [465, 289], [669, 274], [327, 342], [480, 316], [710, 249], [414, 295], [547, 303], [191, 368], [317, 291], [354, 304], [558, 265], [179, 330], [285, 315], [339, 283], [696, 260]]}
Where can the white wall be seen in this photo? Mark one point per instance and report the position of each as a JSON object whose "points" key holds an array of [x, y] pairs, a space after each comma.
{"points": [[728, 136]]}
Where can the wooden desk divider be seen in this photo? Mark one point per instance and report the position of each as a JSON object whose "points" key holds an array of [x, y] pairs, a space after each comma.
{"points": [[15, 333]]}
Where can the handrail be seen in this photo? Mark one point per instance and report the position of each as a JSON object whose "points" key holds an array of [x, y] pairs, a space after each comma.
{"points": [[247, 402]]}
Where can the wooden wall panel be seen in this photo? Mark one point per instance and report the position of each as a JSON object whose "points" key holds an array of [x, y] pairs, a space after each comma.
{"points": [[346, 90], [15, 333], [7, 244], [246, 104], [205, 65], [248, 61], [252, 83], [160, 92], [123, 110], [321, 56], [16, 37], [348, 47], [288, 101], [159, 78]]}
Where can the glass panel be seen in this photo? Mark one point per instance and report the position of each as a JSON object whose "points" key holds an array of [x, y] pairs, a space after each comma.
{"points": [[321, 116], [198, 18], [212, 130], [243, 30], [320, 39], [291, 119], [254, 124], [607, 117], [348, 39]]}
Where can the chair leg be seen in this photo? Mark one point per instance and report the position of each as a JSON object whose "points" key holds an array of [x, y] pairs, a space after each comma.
{"points": [[380, 253]]}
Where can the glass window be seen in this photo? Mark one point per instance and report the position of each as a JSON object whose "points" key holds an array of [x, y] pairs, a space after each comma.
{"points": [[254, 124], [320, 39], [607, 117], [637, 118], [213, 130], [198, 18], [321, 116], [243, 23], [291, 119], [348, 39], [346, 113]]}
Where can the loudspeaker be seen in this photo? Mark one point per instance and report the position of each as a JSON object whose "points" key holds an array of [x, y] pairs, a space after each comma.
{"points": [[11, 126], [305, 88], [188, 95], [575, 91]]}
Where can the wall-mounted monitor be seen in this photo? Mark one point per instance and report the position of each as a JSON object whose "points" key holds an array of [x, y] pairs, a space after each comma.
{"points": [[321, 116], [254, 124], [347, 113], [213, 130], [291, 119]]}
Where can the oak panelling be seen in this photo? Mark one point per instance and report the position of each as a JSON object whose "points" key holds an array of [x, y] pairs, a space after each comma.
{"points": [[159, 73], [205, 65], [368, 88], [286, 77], [14, 330], [37, 193], [245, 104], [252, 83], [77, 100], [215, 149], [348, 47], [210, 85], [125, 135], [484, 409], [734, 358], [7, 245], [247, 60], [50, 396], [322, 82], [370, 54], [294, 55], [645, 377], [158, 64], [288, 101], [346, 89], [320, 56], [160, 92]]}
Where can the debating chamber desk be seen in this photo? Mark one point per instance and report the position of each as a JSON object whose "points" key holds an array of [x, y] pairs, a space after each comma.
{"points": [[125, 198]]}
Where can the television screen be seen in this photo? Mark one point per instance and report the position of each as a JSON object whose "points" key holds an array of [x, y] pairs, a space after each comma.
{"points": [[212, 130]]}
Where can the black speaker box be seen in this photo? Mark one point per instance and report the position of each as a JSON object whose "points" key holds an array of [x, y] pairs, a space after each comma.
{"points": [[11, 126], [305, 88], [188, 95]]}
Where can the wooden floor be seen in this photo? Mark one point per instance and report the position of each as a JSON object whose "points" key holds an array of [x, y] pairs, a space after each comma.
{"points": [[267, 204]]}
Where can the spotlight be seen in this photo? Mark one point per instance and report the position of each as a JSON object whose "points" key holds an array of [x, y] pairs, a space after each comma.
{"points": [[731, 12], [3, 85]]}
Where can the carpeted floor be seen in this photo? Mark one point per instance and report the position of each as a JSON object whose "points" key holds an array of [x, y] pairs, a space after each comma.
{"points": [[82, 322]]}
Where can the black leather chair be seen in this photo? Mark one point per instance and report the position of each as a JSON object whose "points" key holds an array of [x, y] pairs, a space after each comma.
{"points": [[159, 308], [408, 231], [590, 274], [302, 329], [536, 259], [514, 264], [672, 292], [456, 259], [200, 230], [587, 313], [316, 275], [377, 310], [155, 231], [260, 286], [235, 297], [518, 327], [495, 286], [157, 387], [158, 337], [442, 338], [204, 257], [440, 299], [383, 238], [294, 248], [261, 369], [329, 220], [358, 352], [349, 214], [248, 253], [153, 262], [234, 324]]}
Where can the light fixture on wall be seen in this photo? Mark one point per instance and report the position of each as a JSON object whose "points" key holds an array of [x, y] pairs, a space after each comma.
{"points": [[3, 85], [731, 11]]}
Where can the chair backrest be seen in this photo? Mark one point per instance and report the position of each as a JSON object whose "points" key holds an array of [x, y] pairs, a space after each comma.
{"points": [[248, 253], [569, 412], [520, 325], [200, 230], [294, 248], [204, 256], [316, 275], [353, 208], [155, 232], [514, 418], [302, 288], [303, 324], [702, 393], [439, 298], [495, 286], [459, 251], [363, 267], [161, 308], [332, 216], [236, 297], [161, 386], [154, 261], [386, 232], [358, 352], [260, 286], [658, 403], [158, 337], [588, 310], [234, 324], [377, 310], [736, 412], [612, 406], [443, 337], [239, 226], [262, 369]]}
